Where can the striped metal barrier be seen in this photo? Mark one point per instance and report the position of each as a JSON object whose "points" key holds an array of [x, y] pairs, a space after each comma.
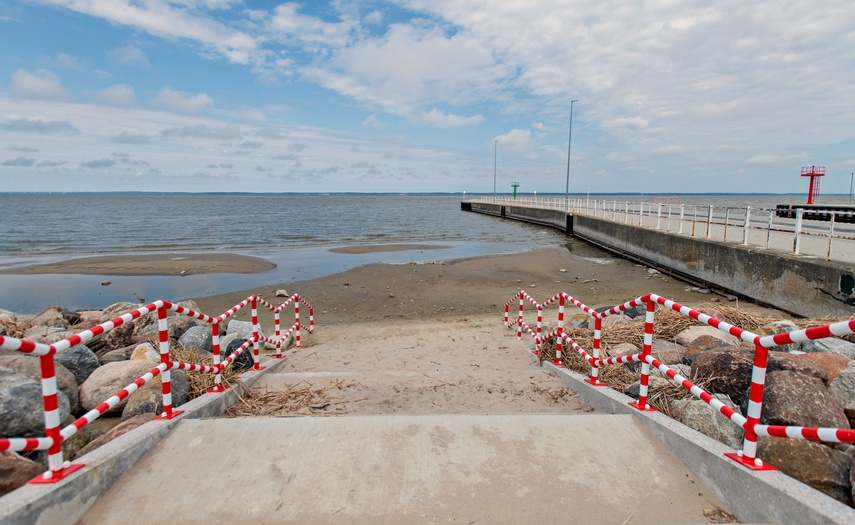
{"points": [[58, 468], [750, 423]]}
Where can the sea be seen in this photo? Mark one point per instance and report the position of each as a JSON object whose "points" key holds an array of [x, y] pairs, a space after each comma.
{"points": [[295, 231]]}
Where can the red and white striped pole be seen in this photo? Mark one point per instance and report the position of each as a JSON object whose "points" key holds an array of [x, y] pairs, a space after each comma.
{"points": [[642, 404], [215, 348], [507, 307], [520, 316], [278, 336], [255, 357], [311, 319], [559, 361], [748, 455], [538, 339], [165, 376], [595, 371], [297, 342]]}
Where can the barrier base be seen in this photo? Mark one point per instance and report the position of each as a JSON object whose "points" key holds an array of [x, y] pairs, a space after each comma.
{"points": [[749, 462], [535, 351], [259, 367], [58, 475], [595, 382], [217, 389], [173, 414], [647, 408], [559, 363]]}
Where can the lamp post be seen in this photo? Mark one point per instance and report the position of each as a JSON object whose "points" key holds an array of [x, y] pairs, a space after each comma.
{"points": [[495, 152], [569, 143], [851, 177]]}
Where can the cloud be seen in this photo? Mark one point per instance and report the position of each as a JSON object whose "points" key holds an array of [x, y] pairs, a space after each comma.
{"points": [[286, 22], [298, 146], [373, 122], [182, 102], [286, 157], [118, 95], [128, 138], [202, 131], [97, 164], [775, 160], [67, 61], [129, 55], [516, 141], [23, 148], [44, 127], [39, 84], [19, 161], [252, 144], [52, 163], [441, 119]]}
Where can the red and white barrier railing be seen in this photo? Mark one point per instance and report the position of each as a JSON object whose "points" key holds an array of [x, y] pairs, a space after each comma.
{"points": [[750, 422], [55, 436]]}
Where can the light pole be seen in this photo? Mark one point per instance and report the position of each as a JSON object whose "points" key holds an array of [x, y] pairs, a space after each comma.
{"points": [[569, 143], [495, 152], [851, 177]]}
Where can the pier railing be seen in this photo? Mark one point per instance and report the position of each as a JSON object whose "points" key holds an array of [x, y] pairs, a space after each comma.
{"points": [[761, 227], [54, 437], [750, 423]]}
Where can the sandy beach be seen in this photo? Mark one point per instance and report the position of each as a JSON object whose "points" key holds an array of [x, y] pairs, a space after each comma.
{"points": [[152, 264]]}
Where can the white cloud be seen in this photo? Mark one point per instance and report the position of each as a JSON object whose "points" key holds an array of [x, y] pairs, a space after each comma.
{"points": [[118, 95], [441, 119], [373, 122], [287, 23], [130, 55], [39, 84], [517, 141], [178, 101]]}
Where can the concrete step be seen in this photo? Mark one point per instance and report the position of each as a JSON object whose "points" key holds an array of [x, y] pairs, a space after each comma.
{"points": [[408, 469]]}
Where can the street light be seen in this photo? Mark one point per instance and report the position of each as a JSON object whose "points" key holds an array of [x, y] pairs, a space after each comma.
{"points": [[495, 151], [569, 143]]}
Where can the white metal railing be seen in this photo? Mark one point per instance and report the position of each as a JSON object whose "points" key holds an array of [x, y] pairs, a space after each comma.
{"points": [[761, 227]]}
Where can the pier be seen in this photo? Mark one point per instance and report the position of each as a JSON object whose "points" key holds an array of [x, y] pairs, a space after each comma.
{"points": [[798, 265]]}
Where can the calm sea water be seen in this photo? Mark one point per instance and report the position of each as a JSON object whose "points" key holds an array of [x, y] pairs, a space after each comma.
{"points": [[294, 231]]}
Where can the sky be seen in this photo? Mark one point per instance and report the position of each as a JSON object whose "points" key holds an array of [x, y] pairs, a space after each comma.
{"points": [[671, 96]]}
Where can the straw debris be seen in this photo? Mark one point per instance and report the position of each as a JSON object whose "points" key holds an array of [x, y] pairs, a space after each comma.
{"points": [[296, 400]]}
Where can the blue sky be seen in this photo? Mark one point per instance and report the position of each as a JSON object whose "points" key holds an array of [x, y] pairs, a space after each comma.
{"points": [[411, 95]]}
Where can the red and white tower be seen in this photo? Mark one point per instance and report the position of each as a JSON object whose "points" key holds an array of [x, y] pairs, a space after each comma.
{"points": [[814, 172]]}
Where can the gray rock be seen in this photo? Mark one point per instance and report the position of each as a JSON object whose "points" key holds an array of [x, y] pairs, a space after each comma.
{"points": [[667, 352], [242, 329], [189, 303], [688, 335], [149, 399], [780, 327], [87, 434], [843, 386], [655, 382], [107, 380], [119, 430], [823, 468], [177, 326], [52, 317], [705, 419], [46, 334], [147, 352], [79, 360], [796, 399], [117, 309], [830, 345], [232, 342], [22, 408], [30, 366], [625, 349], [197, 339], [16, 471]]}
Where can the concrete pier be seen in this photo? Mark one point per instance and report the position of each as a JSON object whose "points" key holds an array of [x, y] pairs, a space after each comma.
{"points": [[802, 285]]}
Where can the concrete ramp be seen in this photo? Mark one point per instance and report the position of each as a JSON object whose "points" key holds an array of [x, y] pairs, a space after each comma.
{"points": [[408, 469]]}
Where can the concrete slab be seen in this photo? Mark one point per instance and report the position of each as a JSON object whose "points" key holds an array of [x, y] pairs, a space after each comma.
{"points": [[408, 469]]}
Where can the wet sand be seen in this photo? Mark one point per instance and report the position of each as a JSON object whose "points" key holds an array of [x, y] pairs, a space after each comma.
{"points": [[152, 264]]}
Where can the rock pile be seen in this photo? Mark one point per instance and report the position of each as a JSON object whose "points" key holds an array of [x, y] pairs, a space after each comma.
{"points": [[809, 384], [88, 374]]}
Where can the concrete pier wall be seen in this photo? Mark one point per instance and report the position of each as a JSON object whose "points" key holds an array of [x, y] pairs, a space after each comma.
{"points": [[801, 285]]}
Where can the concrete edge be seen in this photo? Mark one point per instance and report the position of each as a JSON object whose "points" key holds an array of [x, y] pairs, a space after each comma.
{"points": [[770, 497], [67, 500]]}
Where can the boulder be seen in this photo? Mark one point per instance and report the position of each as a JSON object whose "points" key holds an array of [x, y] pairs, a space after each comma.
{"points": [[242, 329], [688, 335], [232, 342], [148, 400], [730, 369], [779, 327], [107, 380], [177, 326], [120, 354], [22, 408], [72, 318], [830, 345], [118, 337], [612, 320], [52, 317], [655, 382], [115, 310], [712, 312], [46, 334], [79, 360], [87, 324], [30, 366], [87, 434], [700, 416], [843, 386], [823, 468], [147, 352], [189, 303], [667, 352], [119, 430], [578, 321], [16, 471], [197, 339], [700, 345], [625, 349], [832, 363], [795, 399]]}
